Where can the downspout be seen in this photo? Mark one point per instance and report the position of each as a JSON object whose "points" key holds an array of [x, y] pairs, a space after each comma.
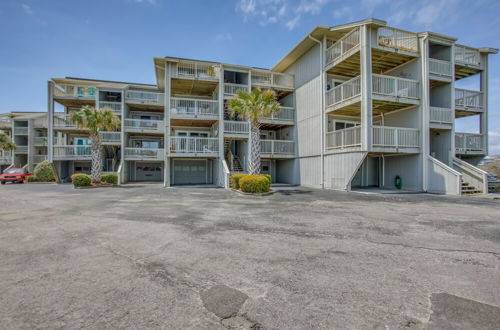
{"points": [[321, 67]]}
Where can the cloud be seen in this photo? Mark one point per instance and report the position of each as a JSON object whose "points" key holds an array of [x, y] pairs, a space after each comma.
{"points": [[292, 24], [343, 12], [27, 9], [223, 36], [151, 2], [435, 12]]}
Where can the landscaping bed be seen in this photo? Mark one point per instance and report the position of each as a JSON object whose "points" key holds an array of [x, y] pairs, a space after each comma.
{"points": [[256, 184]]}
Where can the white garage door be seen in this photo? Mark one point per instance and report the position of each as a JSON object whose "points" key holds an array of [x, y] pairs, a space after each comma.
{"points": [[190, 171], [148, 172]]}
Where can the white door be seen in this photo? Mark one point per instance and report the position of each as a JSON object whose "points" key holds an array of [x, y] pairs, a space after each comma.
{"points": [[190, 171]]}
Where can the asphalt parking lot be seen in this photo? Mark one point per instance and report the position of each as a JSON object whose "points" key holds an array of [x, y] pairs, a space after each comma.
{"points": [[145, 257]]}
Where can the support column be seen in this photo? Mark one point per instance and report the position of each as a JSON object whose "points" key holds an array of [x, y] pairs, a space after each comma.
{"points": [[483, 124], [452, 106], [123, 142], [166, 120], [50, 124], [425, 109], [366, 89], [221, 123]]}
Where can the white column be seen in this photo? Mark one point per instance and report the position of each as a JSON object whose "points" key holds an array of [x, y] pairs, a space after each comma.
{"points": [[221, 122], [452, 106], [166, 120], [483, 124], [425, 108], [366, 89], [123, 142], [50, 124]]}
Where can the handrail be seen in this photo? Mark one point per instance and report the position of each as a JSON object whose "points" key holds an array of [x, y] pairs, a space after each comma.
{"points": [[344, 91], [467, 55], [342, 46], [439, 186], [473, 175], [397, 39]]}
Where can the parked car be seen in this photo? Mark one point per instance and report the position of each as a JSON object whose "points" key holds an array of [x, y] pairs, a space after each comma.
{"points": [[14, 175]]}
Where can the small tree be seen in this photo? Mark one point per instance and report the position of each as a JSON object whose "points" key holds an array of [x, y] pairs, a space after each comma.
{"points": [[254, 106], [6, 144], [96, 121]]}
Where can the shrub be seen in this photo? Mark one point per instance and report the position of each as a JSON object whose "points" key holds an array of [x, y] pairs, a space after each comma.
{"points": [[268, 177], [32, 178], [234, 181], [81, 179], [257, 184], [44, 172], [109, 178]]}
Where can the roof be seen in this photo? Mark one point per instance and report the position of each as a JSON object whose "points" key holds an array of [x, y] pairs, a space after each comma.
{"points": [[102, 83]]}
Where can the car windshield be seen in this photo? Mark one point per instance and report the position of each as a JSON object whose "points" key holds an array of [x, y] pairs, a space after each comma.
{"points": [[15, 170]]}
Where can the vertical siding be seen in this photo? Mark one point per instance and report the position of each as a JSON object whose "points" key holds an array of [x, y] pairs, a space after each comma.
{"points": [[341, 167], [310, 171], [409, 168], [287, 171]]}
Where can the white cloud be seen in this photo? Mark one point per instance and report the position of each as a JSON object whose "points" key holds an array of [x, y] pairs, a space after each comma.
{"points": [[223, 36], [311, 6], [27, 9], [343, 12], [292, 24], [437, 11]]}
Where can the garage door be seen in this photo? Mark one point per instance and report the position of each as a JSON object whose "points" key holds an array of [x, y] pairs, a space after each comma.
{"points": [[148, 172], [190, 171]]}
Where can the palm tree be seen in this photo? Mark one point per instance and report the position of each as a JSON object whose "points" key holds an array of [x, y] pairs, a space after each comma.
{"points": [[96, 121], [5, 143], [254, 106]]}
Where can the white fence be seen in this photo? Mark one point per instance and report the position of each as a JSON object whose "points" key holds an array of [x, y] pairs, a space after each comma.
{"points": [[143, 124], [468, 99], [343, 91], [236, 127], [63, 121], [466, 55], [181, 144], [232, 89], [116, 107], [469, 142], [398, 39], [441, 115], [342, 46], [396, 137], [110, 137], [395, 86], [440, 67], [144, 153], [72, 152], [277, 147], [286, 114], [344, 138], [184, 107], [197, 70], [149, 98], [272, 79]]}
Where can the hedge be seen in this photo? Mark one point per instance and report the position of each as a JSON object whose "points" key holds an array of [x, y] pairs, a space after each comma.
{"points": [[44, 172], [234, 181], [257, 184], [109, 178], [32, 178], [81, 180]]}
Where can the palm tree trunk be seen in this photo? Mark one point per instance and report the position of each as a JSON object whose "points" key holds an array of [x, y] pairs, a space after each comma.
{"points": [[96, 158], [254, 164]]}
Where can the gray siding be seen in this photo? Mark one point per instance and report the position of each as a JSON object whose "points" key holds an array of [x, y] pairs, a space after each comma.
{"points": [[409, 168], [340, 168]]}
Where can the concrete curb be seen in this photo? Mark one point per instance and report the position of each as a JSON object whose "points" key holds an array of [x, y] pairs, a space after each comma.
{"points": [[252, 194]]}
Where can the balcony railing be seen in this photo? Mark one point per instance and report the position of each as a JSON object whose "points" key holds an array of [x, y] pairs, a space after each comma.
{"points": [[272, 79], [63, 121], [5, 122], [72, 152], [115, 106], [87, 92], [20, 130], [193, 108], [344, 91], [40, 140], [440, 67], [110, 137], [197, 70], [468, 99], [144, 153], [195, 145], [277, 147], [5, 160], [21, 149], [395, 86], [236, 127], [38, 158], [398, 39], [441, 115], [232, 89], [143, 124], [469, 142], [286, 114], [342, 46], [344, 138], [466, 55], [149, 98], [396, 137]]}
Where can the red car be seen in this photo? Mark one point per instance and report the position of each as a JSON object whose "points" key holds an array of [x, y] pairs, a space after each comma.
{"points": [[14, 175]]}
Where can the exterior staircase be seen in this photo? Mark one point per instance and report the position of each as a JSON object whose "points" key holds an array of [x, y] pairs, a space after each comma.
{"points": [[233, 161], [468, 189]]}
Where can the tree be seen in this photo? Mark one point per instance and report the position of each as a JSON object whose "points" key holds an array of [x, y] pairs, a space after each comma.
{"points": [[6, 144], [96, 121], [254, 106]]}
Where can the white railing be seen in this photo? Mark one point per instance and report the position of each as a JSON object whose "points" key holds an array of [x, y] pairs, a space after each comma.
{"points": [[342, 46], [63, 121], [277, 147], [144, 153], [149, 98], [232, 89], [236, 127], [183, 144], [5, 122], [397, 39], [396, 137], [469, 142], [344, 91], [468, 99], [344, 138], [5, 160], [116, 107], [38, 158], [271, 79], [286, 114], [441, 115], [442, 179], [283, 80], [110, 137], [88, 92], [144, 124], [395, 86], [20, 130], [197, 70], [184, 107], [440, 67], [72, 152], [40, 140], [472, 175], [21, 149], [467, 55]]}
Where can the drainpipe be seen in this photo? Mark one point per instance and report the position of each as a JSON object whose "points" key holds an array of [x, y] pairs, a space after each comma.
{"points": [[321, 67]]}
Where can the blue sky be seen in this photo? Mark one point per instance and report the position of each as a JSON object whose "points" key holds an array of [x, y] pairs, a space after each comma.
{"points": [[117, 39]]}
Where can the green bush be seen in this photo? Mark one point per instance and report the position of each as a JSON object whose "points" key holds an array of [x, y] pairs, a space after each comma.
{"points": [[234, 181], [109, 178], [257, 184], [81, 179], [268, 177], [32, 178], [44, 172]]}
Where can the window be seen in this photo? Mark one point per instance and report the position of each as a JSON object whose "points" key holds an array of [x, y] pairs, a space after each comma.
{"points": [[338, 125]]}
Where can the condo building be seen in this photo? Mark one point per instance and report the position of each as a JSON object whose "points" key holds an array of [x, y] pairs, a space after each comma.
{"points": [[362, 104]]}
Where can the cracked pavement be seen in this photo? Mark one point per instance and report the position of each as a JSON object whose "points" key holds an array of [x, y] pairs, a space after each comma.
{"points": [[145, 257]]}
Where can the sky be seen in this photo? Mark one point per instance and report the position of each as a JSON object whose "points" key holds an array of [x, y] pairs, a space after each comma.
{"points": [[117, 39]]}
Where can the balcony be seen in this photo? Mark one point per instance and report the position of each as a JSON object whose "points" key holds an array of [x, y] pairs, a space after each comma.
{"points": [[5, 160], [397, 40], [231, 89], [185, 108], [143, 126], [344, 138], [144, 98], [116, 107], [468, 102], [75, 91], [285, 117], [197, 70], [110, 138], [144, 154], [237, 129], [467, 56], [440, 70], [72, 152], [277, 149], [469, 144], [63, 122], [5, 123], [396, 139], [194, 146], [38, 158], [40, 141], [442, 117], [20, 130], [20, 149], [343, 48], [269, 79]]}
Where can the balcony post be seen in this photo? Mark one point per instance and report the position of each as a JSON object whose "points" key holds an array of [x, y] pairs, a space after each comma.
{"points": [[166, 125], [366, 88], [50, 124], [483, 124]]}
